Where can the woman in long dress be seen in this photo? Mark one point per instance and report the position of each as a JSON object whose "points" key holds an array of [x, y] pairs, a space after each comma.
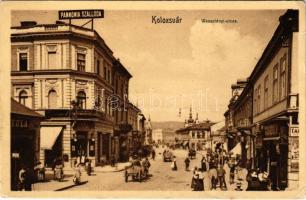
{"points": [[194, 178], [200, 181]]}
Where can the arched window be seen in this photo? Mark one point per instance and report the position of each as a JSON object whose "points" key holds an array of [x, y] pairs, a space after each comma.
{"points": [[81, 98], [23, 95], [52, 99]]}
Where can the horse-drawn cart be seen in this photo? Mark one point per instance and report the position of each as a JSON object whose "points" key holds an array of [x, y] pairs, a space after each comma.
{"points": [[137, 171]]}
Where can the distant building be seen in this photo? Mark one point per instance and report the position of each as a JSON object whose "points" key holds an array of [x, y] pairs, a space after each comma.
{"points": [[157, 136], [195, 134], [148, 132], [169, 136], [218, 135]]}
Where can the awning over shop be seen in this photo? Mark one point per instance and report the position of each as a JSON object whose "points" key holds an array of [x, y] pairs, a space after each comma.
{"points": [[48, 136], [237, 149], [271, 138]]}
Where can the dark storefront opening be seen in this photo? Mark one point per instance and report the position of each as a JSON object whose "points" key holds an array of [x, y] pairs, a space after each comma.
{"points": [[274, 159], [52, 154], [103, 147], [22, 153], [81, 144]]}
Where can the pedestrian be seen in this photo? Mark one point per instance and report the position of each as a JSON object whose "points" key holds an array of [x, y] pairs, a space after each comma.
{"points": [[58, 169], [203, 164], [83, 157], [173, 164], [221, 174], [153, 154], [213, 175], [39, 171], [194, 178], [200, 181], [187, 161], [77, 173], [21, 177], [232, 167], [113, 160], [28, 179], [88, 166], [146, 164]]}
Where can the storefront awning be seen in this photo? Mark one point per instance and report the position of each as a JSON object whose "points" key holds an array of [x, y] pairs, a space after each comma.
{"points": [[237, 149], [271, 138], [48, 136]]}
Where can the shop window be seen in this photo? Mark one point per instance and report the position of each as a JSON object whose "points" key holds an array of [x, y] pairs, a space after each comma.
{"points": [[23, 96], [81, 62], [81, 98], [52, 99], [283, 77], [23, 61], [275, 83]]}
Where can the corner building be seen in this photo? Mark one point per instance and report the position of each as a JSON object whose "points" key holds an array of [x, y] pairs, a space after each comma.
{"points": [[65, 73]]}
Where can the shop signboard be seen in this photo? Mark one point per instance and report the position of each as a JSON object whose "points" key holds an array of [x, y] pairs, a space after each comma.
{"points": [[294, 131]]}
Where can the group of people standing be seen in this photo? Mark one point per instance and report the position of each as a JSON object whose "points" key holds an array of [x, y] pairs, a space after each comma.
{"points": [[221, 170]]}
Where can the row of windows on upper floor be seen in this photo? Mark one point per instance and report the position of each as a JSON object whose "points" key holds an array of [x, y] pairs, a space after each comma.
{"points": [[23, 64], [105, 105], [23, 98], [279, 87]]}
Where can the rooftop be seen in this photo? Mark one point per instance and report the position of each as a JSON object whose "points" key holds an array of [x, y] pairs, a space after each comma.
{"points": [[19, 109], [202, 126]]}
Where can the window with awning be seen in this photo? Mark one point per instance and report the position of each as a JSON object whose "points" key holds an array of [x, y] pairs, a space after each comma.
{"points": [[48, 136]]}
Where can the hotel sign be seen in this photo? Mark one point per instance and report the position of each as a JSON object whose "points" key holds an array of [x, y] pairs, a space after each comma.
{"points": [[294, 131], [80, 14]]}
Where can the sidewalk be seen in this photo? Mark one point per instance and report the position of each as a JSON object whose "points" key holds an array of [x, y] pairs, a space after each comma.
{"points": [[67, 182]]}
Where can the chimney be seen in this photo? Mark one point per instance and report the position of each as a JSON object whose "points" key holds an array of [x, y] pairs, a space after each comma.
{"points": [[59, 22], [28, 23]]}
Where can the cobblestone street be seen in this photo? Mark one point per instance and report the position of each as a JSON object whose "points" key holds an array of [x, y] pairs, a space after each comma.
{"points": [[161, 178]]}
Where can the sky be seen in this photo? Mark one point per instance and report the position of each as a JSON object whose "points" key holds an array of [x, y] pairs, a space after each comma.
{"points": [[183, 65]]}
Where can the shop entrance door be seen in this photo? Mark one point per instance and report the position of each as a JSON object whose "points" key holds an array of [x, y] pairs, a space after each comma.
{"points": [[82, 144], [22, 153], [283, 166]]}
